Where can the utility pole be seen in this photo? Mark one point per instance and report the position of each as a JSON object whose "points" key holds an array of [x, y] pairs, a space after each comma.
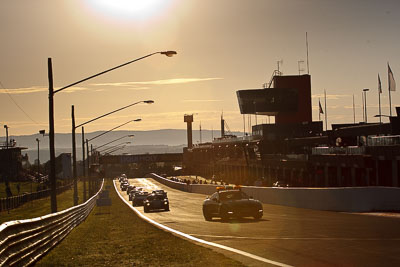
{"points": [[88, 168], [52, 174], [83, 165], [74, 172], [354, 111], [38, 159]]}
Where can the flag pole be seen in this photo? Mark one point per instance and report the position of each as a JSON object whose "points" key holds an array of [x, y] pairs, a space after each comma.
{"points": [[389, 87], [390, 104], [308, 66], [354, 111], [319, 110], [326, 114], [363, 108], [380, 113], [379, 98]]}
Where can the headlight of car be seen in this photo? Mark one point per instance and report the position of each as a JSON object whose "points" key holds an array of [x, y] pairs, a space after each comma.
{"points": [[166, 203], [148, 204]]}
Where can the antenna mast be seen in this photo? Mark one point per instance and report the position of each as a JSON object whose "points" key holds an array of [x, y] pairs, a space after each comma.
{"points": [[308, 66], [201, 141], [299, 66]]}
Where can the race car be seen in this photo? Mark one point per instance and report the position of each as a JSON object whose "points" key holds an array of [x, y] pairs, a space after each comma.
{"points": [[133, 191], [156, 201], [231, 202], [159, 191], [130, 188], [139, 197], [124, 186]]}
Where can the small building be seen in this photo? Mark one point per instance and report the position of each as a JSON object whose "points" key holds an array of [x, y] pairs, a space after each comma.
{"points": [[63, 166], [10, 161]]}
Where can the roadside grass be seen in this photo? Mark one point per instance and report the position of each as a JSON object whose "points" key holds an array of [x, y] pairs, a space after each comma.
{"points": [[116, 236], [24, 187], [42, 206]]}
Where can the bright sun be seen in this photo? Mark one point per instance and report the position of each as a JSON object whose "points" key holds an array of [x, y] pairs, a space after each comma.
{"points": [[135, 9]]}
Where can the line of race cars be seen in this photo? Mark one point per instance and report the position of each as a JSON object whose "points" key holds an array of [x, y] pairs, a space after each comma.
{"points": [[227, 202], [156, 200]]}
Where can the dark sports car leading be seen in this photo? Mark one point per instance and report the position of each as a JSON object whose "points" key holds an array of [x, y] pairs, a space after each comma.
{"points": [[227, 203], [156, 201]]}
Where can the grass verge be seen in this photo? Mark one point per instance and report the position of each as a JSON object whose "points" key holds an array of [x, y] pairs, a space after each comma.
{"points": [[116, 236], [42, 206], [24, 187]]}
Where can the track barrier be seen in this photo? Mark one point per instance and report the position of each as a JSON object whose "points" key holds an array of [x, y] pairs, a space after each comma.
{"points": [[346, 199], [22, 242]]}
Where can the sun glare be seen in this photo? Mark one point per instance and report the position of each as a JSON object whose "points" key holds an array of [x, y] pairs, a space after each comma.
{"points": [[130, 9]]}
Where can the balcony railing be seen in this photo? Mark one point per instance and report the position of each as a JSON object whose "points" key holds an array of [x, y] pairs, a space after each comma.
{"points": [[384, 140], [350, 150]]}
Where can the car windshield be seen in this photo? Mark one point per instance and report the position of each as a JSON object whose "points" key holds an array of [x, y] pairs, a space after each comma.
{"points": [[154, 197], [232, 195]]}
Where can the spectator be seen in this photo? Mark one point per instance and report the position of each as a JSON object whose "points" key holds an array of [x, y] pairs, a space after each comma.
{"points": [[8, 191]]}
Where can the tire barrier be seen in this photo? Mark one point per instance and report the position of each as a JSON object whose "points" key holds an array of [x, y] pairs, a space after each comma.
{"points": [[22, 242]]}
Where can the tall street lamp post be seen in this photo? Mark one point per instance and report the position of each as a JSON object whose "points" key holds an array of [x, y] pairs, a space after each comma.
{"points": [[83, 148], [38, 162], [83, 165], [116, 148], [52, 177], [129, 135], [112, 147], [103, 133], [87, 151]]}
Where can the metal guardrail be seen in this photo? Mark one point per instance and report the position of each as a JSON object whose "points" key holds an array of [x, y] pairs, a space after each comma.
{"points": [[23, 242], [350, 150], [390, 140], [10, 203]]}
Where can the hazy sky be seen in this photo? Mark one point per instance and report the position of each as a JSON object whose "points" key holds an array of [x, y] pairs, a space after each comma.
{"points": [[223, 46]]}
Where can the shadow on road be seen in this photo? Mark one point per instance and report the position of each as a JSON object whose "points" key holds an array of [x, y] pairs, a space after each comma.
{"points": [[239, 220]]}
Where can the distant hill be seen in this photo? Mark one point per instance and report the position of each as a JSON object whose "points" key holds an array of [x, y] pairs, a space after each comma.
{"points": [[155, 141]]}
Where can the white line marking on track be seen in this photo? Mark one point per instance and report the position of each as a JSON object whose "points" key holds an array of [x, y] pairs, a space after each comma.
{"points": [[243, 253], [147, 184], [299, 238]]}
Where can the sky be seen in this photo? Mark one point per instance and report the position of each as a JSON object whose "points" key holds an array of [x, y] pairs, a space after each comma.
{"points": [[222, 46]]}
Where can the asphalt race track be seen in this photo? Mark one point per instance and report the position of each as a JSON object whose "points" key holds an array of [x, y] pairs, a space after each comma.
{"points": [[285, 235]]}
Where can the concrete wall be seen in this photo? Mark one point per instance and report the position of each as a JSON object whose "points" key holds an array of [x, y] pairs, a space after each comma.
{"points": [[349, 199], [168, 182]]}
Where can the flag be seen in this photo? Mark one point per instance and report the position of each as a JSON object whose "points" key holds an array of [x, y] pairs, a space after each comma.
{"points": [[379, 84], [321, 111], [392, 83]]}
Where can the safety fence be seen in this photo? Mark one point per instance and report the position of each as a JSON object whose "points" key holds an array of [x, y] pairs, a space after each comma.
{"points": [[23, 242], [10, 203]]}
